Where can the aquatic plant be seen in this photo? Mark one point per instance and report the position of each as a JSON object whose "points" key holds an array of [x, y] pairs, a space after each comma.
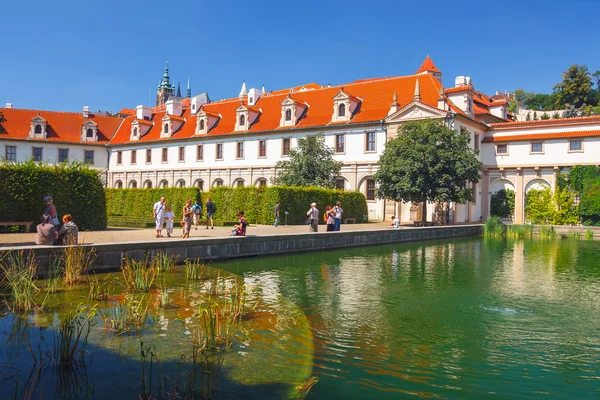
{"points": [[163, 262], [127, 317], [71, 338], [18, 281], [519, 231], [589, 234], [546, 232], [139, 275], [194, 270], [100, 289], [493, 227], [306, 387], [148, 357], [77, 260]]}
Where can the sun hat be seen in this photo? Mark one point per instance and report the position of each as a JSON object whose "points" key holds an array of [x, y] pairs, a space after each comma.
{"points": [[47, 198], [313, 204]]}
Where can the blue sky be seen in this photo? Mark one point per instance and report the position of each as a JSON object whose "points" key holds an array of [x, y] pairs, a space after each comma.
{"points": [[108, 54]]}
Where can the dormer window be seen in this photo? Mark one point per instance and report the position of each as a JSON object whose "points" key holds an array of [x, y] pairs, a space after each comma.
{"points": [[139, 127], [166, 128], [342, 110], [291, 111], [288, 115], [171, 123], [89, 131], [205, 121], [135, 131], [37, 129], [245, 117], [344, 106], [242, 120], [201, 125]]}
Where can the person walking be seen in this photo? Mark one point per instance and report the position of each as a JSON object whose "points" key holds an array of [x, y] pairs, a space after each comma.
{"points": [[197, 210], [68, 233], [51, 211], [211, 209], [169, 217], [313, 218], [328, 217], [337, 218], [159, 215], [276, 214], [187, 219], [46, 234]]}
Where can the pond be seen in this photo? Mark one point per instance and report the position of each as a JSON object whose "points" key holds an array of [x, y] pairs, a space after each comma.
{"points": [[467, 318]]}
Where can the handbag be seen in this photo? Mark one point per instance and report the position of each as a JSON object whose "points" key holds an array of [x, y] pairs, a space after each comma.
{"points": [[182, 222]]}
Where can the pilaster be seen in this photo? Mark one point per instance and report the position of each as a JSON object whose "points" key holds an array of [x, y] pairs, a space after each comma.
{"points": [[519, 198]]}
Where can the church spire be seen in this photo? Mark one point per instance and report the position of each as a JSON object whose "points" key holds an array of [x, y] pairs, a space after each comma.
{"points": [[178, 89], [243, 91], [188, 93]]}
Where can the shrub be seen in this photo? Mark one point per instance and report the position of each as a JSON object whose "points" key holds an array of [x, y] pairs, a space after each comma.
{"points": [[589, 204], [493, 227], [139, 202], [75, 188], [502, 203]]}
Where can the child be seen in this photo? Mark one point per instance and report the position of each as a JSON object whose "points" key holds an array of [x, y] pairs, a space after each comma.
{"points": [[169, 216]]}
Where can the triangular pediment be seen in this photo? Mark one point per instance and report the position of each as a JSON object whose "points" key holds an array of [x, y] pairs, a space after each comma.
{"points": [[415, 110], [341, 95], [89, 122], [241, 107], [288, 101], [38, 119]]}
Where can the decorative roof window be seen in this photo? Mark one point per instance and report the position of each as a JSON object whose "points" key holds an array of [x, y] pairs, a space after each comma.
{"points": [[170, 125], [291, 111], [344, 106], [205, 121], [38, 128], [245, 117], [139, 127], [89, 131]]}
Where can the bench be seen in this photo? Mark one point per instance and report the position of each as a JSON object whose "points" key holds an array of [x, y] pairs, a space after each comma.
{"points": [[12, 223], [347, 220]]}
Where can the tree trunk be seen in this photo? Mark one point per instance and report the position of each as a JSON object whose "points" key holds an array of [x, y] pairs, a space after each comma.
{"points": [[424, 212]]}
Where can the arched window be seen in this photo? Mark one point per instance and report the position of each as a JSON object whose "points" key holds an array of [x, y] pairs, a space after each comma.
{"points": [[148, 184], [218, 182], [239, 183], [38, 129], [135, 132], [288, 115], [163, 184], [199, 184], [89, 133], [133, 185], [180, 184], [261, 182], [201, 124], [118, 185], [166, 130], [242, 120], [342, 110]]}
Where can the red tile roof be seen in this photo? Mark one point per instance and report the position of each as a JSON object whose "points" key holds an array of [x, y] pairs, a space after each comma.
{"points": [[548, 122], [428, 65], [458, 89], [376, 95], [127, 111], [543, 135], [61, 126]]}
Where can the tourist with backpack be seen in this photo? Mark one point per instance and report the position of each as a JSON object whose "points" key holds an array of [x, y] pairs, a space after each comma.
{"points": [[211, 209], [197, 212], [328, 218]]}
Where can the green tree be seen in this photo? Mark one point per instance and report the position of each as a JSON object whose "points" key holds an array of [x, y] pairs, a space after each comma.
{"points": [[544, 116], [580, 175], [311, 164], [575, 88], [427, 161], [539, 206], [528, 117], [589, 203], [502, 203], [556, 115], [535, 117]]}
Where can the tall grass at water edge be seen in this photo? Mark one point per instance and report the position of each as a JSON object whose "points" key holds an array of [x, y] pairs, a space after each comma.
{"points": [[139, 275], [18, 280], [77, 260], [194, 270], [493, 227], [71, 337], [132, 315], [519, 231], [589, 234], [546, 232]]}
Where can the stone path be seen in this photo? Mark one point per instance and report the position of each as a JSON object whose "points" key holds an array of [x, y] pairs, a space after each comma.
{"points": [[122, 235]]}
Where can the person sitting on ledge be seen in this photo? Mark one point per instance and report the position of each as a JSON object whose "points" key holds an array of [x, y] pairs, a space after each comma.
{"points": [[240, 229], [395, 222], [46, 233], [68, 233]]}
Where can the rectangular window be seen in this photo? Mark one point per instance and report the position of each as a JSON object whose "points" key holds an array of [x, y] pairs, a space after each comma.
{"points": [[219, 153], [165, 155], [37, 154], [262, 148], [339, 143], [240, 150], [133, 156], [119, 157], [88, 157], [502, 149], [537, 147], [370, 189], [148, 156], [575, 145], [63, 155], [476, 142], [370, 141], [199, 152], [11, 153], [285, 147], [181, 153]]}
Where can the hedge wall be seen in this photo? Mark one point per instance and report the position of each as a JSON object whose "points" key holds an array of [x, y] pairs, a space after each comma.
{"points": [[75, 189], [257, 203]]}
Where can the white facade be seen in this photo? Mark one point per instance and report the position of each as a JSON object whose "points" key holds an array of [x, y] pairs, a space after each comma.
{"points": [[50, 152]]}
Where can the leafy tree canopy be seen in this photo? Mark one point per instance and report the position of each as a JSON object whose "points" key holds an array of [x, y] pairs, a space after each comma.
{"points": [[575, 88], [427, 161], [502, 203], [580, 175], [310, 164]]}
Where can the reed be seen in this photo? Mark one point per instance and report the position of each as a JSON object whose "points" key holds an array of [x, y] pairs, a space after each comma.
{"points": [[128, 317], [18, 282], [71, 338], [493, 227], [148, 357], [139, 275], [546, 232], [519, 231], [100, 289], [306, 387], [589, 234], [163, 262], [194, 270], [77, 260]]}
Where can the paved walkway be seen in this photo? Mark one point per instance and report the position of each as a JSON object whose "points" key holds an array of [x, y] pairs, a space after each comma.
{"points": [[122, 235]]}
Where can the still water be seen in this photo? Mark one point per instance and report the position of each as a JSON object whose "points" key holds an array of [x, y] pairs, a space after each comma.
{"points": [[454, 319], [468, 318]]}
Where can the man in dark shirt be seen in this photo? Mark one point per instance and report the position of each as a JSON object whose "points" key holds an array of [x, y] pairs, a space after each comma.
{"points": [[211, 209], [276, 214]]}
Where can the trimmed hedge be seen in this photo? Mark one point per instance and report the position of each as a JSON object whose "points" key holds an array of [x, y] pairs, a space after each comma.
{"points": [[75, 189], [257, 203]]}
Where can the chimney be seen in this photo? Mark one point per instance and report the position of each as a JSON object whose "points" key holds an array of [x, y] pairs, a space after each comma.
{"points": [[174, 108], [8, 105], [86, 112], [460, 81], [143, 112], [254, 95]]}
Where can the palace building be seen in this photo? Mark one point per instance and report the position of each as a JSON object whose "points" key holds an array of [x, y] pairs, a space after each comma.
{"points": [[193, 141]]}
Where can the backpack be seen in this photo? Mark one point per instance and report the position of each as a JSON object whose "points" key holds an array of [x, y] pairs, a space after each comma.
{"points": [[197, 211]]}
